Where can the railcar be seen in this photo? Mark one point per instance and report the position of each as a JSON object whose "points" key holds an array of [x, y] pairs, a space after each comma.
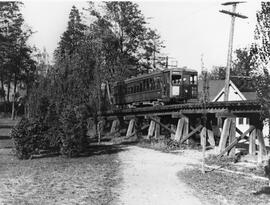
{"points": [[166, 86]]}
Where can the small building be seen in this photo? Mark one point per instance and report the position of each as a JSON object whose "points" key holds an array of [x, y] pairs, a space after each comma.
{"points": [[239, 89]]}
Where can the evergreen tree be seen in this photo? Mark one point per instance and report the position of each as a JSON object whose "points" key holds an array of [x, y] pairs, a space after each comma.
{"points": [[72, 36]]}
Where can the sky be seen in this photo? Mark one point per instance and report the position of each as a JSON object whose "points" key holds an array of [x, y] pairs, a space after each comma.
{"points": [[190, 29]]}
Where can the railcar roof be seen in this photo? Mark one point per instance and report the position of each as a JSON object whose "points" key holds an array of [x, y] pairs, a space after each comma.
{"points": [[161, 71]]}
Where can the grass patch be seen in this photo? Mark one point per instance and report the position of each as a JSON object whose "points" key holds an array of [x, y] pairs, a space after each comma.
{"points": [[223, 161], [57, 180], [6, 143], [165, 145], [226, 188], [231, 163]]}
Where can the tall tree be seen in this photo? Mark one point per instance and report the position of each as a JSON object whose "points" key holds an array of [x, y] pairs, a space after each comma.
{"points": [[71, 37], [135, 45], [262, 50], [244, 64], [217, 73], [262, 34], [16, 53]]}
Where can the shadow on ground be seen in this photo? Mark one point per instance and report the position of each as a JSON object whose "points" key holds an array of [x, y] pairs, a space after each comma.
{"points": [[103, 149], [263, 190], [91, 150]]}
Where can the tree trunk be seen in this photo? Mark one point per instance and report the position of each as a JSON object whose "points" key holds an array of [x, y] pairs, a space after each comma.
{"points": [[14, 98], [3, 88], [8, 90]]}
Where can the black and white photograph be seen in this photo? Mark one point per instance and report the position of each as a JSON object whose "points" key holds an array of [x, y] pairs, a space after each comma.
{"points": [[148, 102]]}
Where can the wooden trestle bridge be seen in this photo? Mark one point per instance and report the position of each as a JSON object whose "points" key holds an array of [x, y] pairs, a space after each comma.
{"points": [[183, 121]]}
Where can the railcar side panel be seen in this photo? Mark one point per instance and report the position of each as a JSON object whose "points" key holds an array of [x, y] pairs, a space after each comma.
{"points": [[175, 85]]}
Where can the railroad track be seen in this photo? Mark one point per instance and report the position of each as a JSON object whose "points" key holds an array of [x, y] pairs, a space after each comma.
{"points": [[234, 107]]}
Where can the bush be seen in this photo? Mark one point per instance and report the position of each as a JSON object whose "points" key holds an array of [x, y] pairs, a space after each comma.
{"points": [[27, 137], [73, 132], [40, 133], [52, 130]]}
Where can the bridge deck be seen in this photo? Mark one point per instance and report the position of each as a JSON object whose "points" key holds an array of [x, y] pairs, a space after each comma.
{"points": [[235, 107]]}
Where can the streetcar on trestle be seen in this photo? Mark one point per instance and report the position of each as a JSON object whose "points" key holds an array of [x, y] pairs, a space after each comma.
{"points": [[178, 85]]}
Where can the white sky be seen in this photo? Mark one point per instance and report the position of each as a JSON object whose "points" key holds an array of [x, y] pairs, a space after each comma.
{"points": [[189, 28]]}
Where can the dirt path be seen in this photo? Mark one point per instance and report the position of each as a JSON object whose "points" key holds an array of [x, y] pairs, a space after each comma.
{"points": [[150, 177]]}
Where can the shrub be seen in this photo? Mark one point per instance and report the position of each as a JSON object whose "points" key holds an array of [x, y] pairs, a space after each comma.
{"points": [[49, 132], [43, 106], [73, 132], [53, 131], [27, 137]]}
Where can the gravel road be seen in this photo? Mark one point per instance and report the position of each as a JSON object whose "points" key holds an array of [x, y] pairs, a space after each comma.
{"points": [[150, 177]]}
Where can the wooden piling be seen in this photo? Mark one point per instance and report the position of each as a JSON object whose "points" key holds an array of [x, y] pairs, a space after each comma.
{"points": [[232, 136], [151, 129], [186, 129], [262, 149], [157, 128], [131, 128], [211, 138], [224, 134], [115, 126], [252, 145], [179, 130]]}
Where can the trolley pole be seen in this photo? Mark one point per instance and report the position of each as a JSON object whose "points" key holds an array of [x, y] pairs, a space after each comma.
{"points": [[233, 14]]}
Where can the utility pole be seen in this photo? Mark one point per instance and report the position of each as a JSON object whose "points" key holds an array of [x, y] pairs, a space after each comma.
{"points": [[205, 99], [233, 14]]}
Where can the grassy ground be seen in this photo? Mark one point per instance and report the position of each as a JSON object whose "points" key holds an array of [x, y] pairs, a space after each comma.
{"points": [[225, 188], [6, 143], [241, 166], [57, 180], [5, 127]]}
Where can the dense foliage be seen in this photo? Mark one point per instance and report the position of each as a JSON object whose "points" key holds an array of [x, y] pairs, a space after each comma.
{"points": [[17, 67], [116, 44], [27, 137], [243, 64], [73, 132], [262, 76]]}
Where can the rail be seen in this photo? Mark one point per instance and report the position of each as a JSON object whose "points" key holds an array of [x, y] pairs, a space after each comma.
{"points": [[189, 108]]}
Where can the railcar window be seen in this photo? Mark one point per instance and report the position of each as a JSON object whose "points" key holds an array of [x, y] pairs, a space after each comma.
{"points": [[176, 79], [158, 83], [186, 79], [152, 84], [193, 79], [147, 84], [144, 85]]}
